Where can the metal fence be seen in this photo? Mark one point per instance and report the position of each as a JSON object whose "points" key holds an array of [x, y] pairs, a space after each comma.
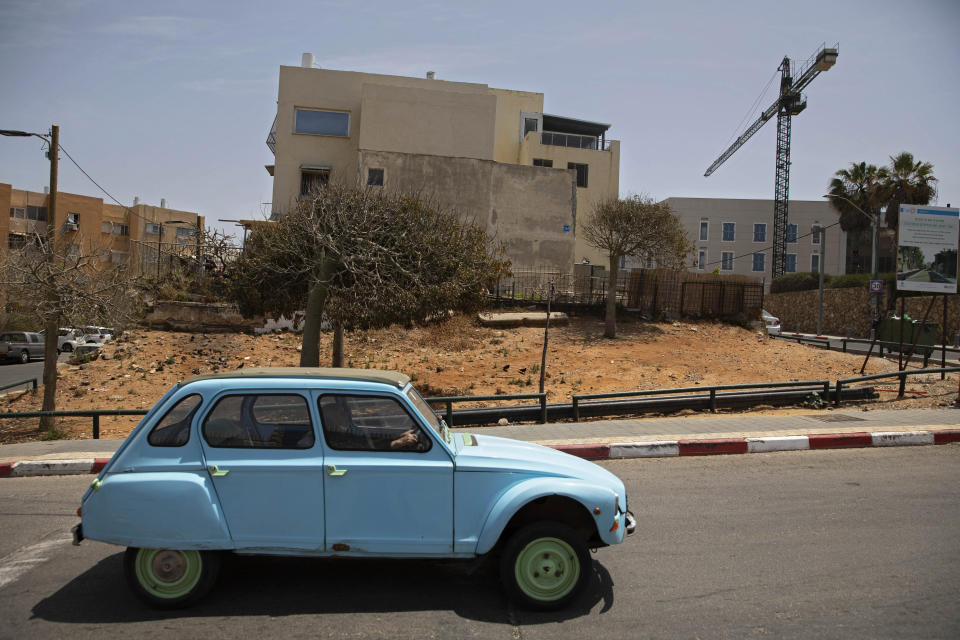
{"points": [[646, 290]]}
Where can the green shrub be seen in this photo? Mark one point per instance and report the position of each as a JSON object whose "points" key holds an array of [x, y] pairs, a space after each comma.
{"points": [[797, 282], [853, 280]]}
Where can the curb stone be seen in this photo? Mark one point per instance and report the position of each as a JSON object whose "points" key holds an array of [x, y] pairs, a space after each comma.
{"points": [[607, 451]]}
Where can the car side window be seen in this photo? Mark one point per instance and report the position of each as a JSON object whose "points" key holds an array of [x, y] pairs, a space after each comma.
{"points": [[173, 430], [260, 421], [370, 423]]}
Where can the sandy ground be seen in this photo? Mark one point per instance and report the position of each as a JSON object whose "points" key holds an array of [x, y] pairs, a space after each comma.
{"points": [[460, 357]]}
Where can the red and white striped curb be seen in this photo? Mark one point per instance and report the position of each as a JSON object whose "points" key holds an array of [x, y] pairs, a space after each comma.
{"points": [[74, 466], [608, 451], [719, 446]]}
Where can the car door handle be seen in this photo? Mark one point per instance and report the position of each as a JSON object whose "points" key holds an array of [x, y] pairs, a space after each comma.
{"points": [[217, 472], [333, 471]]}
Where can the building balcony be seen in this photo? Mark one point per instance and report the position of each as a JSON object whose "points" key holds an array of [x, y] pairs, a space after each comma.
{"points": [[573, 140]]}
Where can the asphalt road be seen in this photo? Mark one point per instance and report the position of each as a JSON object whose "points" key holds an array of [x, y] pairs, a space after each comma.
{"points": [[815, 544], [14, 372]]}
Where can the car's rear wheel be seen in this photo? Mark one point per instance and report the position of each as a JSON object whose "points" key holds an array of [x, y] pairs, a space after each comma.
{"points": [[24, 357], [67, 347], [545, 565], [170, 578]]}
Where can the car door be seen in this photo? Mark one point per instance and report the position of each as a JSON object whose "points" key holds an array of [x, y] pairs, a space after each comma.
{"points": [[35, 345], [389, 485], [266, 464]]}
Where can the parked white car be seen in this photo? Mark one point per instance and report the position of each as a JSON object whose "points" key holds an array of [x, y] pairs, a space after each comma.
{"points": [[771, 322], [96, 335], [69, 338]]}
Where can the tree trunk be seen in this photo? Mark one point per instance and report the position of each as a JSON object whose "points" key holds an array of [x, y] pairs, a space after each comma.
{"points": [[337, 360], [51, 331], [611, 329], [313, 316]]}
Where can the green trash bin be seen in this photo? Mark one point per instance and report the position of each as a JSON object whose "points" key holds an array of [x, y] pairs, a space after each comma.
{"points": [[926, 333], [890, 332]]}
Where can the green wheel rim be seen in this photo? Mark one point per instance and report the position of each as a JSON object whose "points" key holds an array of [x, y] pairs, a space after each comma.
{"points": [[547, 569], [168, 573]]}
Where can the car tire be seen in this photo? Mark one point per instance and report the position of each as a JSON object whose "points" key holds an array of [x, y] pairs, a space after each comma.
{"points": [[24, 357], [545, 566], [67, 347], [170, 578]]}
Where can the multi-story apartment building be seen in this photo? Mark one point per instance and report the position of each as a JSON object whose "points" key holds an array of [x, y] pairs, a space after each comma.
{"points": [[736, 236], [490, 154], [132, 236]]}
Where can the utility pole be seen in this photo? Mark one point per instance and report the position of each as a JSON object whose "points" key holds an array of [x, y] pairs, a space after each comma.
{"points": [[51, 327]]}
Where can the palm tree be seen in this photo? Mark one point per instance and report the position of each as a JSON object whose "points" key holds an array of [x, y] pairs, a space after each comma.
{"points": [[908, 182], [862, 185]]}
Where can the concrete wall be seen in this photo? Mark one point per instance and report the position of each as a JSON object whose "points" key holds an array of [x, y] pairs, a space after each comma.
{"points": [[848, 310], [419, 121], [524, 207], [603, 181], [745, 213]]}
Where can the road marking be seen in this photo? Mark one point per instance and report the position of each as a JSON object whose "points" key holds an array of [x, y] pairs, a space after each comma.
{"points": [[14, 565]]}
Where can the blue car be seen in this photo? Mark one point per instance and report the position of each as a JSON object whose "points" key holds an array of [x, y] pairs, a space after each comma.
{"points": [[341, 462]]}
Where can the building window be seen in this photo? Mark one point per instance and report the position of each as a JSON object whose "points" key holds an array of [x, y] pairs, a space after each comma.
{"points": [[815, 236], [791, 266], [702, 260], [106, 227], [759, 261], [312, 180], [322, 123], [152, 229], [542, 162], [729, 231], [121, 229], [704, 230], [16, 241], [815, 263], [581, 173], [120, 257], [530, 124], [18, 212], [726, 261], [759, 232], [72, 223], [185, 233], [375, 177], [791, 233], [37, 213]]}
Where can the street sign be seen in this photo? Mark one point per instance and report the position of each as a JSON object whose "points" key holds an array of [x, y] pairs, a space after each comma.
{"points": [[876, 286], [927, 251], [566, 227]]}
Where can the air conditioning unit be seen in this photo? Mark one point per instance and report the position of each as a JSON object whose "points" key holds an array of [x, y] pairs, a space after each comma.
{"points": [[71, 226]]}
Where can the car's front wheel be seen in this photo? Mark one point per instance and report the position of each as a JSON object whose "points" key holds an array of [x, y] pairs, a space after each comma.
{"points": [[24, 357], [170, 578], [67, 347], [545, 565]]}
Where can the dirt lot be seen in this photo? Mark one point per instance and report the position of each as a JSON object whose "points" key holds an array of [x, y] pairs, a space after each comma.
{"points": [[462, 358]]}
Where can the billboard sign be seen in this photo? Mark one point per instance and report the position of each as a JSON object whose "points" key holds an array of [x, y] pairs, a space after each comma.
{"points": [[927, 251]]}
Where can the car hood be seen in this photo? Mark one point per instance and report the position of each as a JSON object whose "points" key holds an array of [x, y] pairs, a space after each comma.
{"points": [[491, 453]]}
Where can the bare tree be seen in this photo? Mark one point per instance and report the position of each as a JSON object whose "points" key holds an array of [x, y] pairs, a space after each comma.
{"points": [[635, 226], [62, 283], [361, 258]]}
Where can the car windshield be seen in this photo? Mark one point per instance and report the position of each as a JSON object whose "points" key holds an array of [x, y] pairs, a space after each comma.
{"points": [[436, 422]]}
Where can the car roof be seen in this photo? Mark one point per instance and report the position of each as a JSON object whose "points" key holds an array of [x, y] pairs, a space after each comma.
{"points": [[393, 378]]}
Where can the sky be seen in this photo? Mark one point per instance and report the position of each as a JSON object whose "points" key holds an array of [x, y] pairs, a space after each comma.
{"points": [[175, 99]]}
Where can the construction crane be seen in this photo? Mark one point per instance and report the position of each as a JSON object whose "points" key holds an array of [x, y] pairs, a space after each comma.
{"points": [[789, 103]]}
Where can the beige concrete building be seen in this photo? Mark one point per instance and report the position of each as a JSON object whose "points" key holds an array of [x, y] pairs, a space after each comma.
{"points": [[736, 236], [129, 236], [490, 154]]}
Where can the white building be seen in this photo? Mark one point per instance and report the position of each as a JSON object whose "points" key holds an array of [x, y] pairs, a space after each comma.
{"points": [[736, 236]]}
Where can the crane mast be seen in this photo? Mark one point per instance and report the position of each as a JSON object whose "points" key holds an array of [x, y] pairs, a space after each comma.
{"points": [[789, 103]]}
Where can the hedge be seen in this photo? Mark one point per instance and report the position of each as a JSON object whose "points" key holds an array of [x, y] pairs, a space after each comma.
{"points": [[809, 281]]}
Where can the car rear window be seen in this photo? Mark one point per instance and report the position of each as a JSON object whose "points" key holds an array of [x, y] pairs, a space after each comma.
{"points": [[173, 430]]}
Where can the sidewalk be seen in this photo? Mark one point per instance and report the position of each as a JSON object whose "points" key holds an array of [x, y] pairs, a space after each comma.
{"points": [[702, 434]]}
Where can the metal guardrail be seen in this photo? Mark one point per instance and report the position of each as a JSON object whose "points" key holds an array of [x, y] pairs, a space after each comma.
{"points": [[711, 389], [95, 414], [30, 381], [895, 374], [449, 400]]}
